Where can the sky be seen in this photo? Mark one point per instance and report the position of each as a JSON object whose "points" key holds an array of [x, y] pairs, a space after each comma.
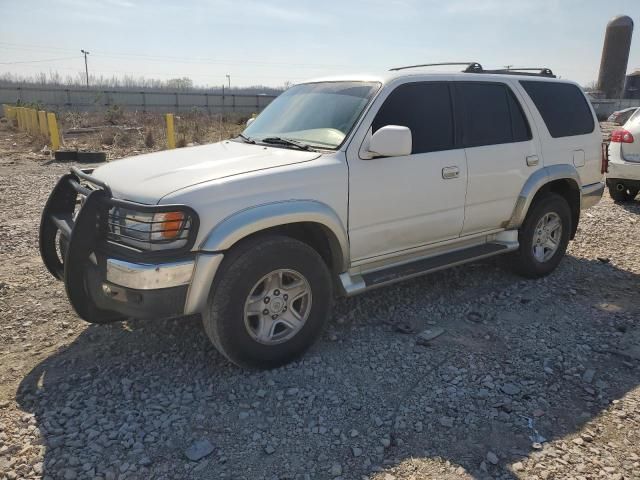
{"points": [[270, 42]]}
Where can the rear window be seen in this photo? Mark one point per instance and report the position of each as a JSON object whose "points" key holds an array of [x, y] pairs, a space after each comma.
{"points": [[489, 114], [563, 107], [634, 118]]}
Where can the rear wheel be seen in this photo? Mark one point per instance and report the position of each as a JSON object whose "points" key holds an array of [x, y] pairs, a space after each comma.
{"points": [[270, 301], [622, 193], [543, 237]]}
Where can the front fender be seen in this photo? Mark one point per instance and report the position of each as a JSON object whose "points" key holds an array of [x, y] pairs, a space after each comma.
{"points": [[534, 183], [254, 219]]}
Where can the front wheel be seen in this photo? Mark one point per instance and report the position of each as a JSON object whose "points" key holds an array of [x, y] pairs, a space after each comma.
{"points": [[543, 237], [270, 301]]}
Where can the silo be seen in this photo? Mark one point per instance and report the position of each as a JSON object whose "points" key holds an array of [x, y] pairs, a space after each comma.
{"points": [[615, 55]]}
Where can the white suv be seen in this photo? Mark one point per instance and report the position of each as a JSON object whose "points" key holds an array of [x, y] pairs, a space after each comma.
{"points": [[623, 177], [339, 186]]}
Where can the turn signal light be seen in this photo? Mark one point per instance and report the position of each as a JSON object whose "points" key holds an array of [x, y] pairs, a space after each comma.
{"points": [[169, 224]]}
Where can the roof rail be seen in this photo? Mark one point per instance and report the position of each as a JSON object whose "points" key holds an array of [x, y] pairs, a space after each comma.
{"points": [[475, 67], [530, 71], [471, 66]]}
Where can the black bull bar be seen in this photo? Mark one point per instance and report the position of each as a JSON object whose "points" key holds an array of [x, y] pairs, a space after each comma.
{"points": [[79, 238]]}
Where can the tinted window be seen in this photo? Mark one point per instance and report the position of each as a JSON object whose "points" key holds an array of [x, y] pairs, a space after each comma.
{"points": [[489, 114], [519, 124], [562, 106], [423, 107]]}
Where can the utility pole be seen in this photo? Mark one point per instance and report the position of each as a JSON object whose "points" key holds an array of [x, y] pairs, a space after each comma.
{"points": [[229, 78], [86, 68]]}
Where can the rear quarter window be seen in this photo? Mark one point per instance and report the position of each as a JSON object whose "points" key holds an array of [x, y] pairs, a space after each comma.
{"points": [[563, 107]]}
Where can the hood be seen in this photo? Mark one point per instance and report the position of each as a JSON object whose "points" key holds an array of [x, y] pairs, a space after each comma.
{"points": [[149, 177]]}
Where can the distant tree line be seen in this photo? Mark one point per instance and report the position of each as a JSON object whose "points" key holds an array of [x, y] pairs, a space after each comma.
{"points": [[127, 82]]}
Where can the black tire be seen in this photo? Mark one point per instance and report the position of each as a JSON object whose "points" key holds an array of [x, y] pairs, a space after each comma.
{"points": [[525, 263], [624, 194], [246, 264]]}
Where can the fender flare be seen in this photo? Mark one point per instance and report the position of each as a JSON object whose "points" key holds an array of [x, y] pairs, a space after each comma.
{"points": [[534, 183], [255, 219]]}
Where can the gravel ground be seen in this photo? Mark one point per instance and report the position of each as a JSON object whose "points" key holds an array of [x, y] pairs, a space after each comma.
{"points": [[530, 379]]}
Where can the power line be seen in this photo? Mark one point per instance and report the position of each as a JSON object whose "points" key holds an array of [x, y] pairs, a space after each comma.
{"points": [[170, 74], [204, 61], [38, 61]]}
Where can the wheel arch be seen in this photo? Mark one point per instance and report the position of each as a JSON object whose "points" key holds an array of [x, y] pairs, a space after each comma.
{"points": [[309, 221], [560, 179]]}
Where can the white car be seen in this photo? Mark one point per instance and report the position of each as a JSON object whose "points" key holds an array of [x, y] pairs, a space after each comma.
{"points": [[339, 186], [623, 176], [621, 116]]}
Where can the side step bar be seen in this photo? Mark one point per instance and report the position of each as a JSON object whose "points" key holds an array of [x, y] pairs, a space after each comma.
{"points": [[356, 284]]}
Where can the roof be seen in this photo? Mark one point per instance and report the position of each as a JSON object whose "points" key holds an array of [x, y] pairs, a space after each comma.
{"points": [[422, 74]]}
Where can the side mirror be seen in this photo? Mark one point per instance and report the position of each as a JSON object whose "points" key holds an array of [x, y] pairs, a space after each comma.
{"points": [[250, 121], [391, 141]]}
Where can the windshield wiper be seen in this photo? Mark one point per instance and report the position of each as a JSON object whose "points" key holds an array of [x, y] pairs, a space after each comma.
{"points": [[286, 141], [246, 139]]}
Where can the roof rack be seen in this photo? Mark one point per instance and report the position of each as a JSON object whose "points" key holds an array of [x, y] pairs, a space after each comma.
{"points": [[471, 66], [475, 67], [532, 71]]}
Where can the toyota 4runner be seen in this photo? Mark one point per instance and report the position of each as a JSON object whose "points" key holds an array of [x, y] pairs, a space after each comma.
{"points": [[340, 185]]}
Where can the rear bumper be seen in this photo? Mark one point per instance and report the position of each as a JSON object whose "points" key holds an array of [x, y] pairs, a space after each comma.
{"points": [[623, 170], [591, 194], [102, 283]]}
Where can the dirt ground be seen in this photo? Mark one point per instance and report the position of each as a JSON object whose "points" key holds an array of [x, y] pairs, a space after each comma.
{"points": [[531, 379]]}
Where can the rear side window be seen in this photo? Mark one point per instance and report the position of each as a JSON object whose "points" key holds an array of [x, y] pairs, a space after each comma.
{"points": [[562, 106], [489, 114], [425, 108]]}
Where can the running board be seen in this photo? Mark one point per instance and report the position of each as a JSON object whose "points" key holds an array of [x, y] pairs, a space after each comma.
{"points": [[358, 283]]}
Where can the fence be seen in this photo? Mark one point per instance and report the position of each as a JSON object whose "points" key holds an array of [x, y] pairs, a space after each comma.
{"points": [[86, 99], [158, 101], [605, 107]]}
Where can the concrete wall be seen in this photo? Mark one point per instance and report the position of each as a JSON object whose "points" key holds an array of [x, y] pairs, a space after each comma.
{"points": [[158, 101], [82, 99], [605, 107]]}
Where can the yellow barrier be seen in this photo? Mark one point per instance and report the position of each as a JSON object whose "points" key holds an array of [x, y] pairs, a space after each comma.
{"points": [[9, 112], [33, 121], [26, 120], [42, 121], [53, 130], [171, 134], [20, 117]]}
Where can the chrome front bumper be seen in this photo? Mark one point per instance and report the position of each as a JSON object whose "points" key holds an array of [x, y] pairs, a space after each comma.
{"points": [[591, 194], [143, 276], [198, 274]]}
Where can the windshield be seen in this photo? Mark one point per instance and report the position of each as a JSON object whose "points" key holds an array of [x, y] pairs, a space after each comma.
{"points": [[316, 114]]}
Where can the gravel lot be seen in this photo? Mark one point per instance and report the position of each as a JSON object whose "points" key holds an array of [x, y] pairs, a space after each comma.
{"points": [[531, 379]]}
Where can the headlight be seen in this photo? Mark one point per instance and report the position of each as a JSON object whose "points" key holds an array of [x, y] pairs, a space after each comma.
{"points": [[149, 231]]}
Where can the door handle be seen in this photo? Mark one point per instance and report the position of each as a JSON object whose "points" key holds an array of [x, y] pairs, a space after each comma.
{"points": [[532, 160], [450, 172]]}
